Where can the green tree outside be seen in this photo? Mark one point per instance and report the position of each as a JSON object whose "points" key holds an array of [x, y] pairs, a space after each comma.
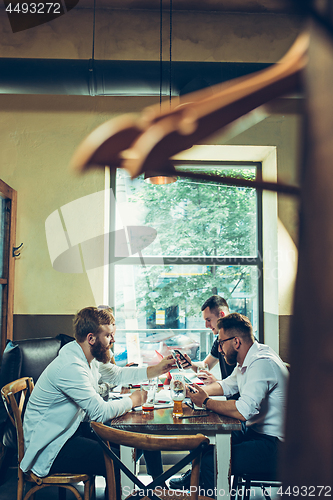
{"points": [[196, 219]]}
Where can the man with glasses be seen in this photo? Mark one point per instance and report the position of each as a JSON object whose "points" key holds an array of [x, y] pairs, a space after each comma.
{"points": [[261, 378], [213, 309]]}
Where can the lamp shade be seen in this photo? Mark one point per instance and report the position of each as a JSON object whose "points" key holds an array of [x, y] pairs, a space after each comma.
{"points": [[165, 175]]}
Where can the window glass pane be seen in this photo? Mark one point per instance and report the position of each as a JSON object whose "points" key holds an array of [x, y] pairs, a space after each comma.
{"points": [[192, 218], [167, 300], [2, 232]]}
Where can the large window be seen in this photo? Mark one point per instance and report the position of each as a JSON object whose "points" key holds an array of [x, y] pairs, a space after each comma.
{"points": [[186, 241]]}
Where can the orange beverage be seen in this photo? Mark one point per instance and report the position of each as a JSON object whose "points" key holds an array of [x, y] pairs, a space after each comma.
{"points": [[177, 409], [147, 407], [150, 387]]}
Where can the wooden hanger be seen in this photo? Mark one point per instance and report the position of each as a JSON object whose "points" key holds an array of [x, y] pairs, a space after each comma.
{"points": [[146, 142]]}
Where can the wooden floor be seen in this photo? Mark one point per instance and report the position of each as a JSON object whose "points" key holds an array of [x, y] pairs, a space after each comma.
{"points": [[8, 489], [8, 484]]}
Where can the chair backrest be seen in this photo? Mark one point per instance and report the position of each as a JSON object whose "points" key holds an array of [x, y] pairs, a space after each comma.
{"points": [[15, 396], [194, 444], [148, 441]]}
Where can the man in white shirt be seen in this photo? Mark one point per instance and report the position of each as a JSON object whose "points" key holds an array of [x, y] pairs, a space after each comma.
{"points": [[67, 393], [261, 379], [213, 309]]}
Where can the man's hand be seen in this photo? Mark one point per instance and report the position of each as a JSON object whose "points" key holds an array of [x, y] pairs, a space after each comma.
{"points": [[163, 366], [186, 363], [206, 377], [189, 390], [138, 398], [125, 390], [198, 397]]}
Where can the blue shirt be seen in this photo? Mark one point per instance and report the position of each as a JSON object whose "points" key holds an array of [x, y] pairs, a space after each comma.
{"points": [[66, 393]]}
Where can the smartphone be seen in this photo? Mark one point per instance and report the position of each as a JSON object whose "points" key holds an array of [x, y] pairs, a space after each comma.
{"points": [[182, 357], [174, 355], [191, 389]]}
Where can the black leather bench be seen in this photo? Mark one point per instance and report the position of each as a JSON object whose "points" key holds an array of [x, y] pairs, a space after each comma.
{"points": [[24, 358]]}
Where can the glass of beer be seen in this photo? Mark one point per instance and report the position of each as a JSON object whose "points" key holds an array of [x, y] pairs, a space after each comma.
{"points": [[150, 387], [178, 393]]}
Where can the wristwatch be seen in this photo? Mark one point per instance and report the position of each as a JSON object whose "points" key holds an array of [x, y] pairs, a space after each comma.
{"points": [[204, 403]]}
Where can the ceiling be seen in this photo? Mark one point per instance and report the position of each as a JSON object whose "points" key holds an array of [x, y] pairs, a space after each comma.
{"points": [[246, 6]]}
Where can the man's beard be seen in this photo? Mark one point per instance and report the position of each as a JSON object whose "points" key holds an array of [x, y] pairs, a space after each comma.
{"points": [[231, 357], [100, 352]]}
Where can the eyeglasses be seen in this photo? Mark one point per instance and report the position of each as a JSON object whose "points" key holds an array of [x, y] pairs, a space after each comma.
{"points": [[221, 342]]}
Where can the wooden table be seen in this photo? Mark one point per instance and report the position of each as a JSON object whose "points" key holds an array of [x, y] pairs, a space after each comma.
{"points": [[216, 427]]}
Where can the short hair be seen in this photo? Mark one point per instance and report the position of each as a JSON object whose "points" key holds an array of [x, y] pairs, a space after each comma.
{"points": [[238, 325], [89, 320], [216, 304]]}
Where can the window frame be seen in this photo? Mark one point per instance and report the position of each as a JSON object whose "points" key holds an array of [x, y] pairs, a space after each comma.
{"points": [[256, 261]]}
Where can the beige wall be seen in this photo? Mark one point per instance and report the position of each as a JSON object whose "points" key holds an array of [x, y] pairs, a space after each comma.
{"points": [[197, 36], [39, 133]]}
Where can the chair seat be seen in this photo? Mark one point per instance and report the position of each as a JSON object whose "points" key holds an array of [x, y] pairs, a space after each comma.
{"points": [[58, 478]]}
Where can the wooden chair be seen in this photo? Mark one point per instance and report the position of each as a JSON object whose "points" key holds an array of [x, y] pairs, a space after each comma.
{"points": [[15, 396], [195, 444]]}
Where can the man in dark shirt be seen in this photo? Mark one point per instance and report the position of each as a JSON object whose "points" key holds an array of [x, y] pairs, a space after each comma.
{"points": [[213, 309]]}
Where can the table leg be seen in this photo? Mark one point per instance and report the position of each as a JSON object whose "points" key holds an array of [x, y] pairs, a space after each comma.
{"points": [[127, 456], [222, 463]]}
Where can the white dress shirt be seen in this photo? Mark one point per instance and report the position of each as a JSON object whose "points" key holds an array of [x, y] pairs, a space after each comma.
{"points": [[66, 393], [262, 384]]}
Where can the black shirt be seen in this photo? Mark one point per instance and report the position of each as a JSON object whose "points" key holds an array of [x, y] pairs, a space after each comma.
{"points": [[226, 369]]}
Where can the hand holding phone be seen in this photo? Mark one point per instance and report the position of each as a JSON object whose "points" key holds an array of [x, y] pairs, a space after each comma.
{"points": [[191, 389], [186, 362], [174, 355]]}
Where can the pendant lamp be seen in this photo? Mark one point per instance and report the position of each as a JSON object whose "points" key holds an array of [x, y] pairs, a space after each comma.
{"points": [[166, 174]]}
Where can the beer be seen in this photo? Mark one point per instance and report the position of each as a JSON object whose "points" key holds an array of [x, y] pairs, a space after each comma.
{"points": [[150, 387], [147, 406], [177, 409], [178, 393]]}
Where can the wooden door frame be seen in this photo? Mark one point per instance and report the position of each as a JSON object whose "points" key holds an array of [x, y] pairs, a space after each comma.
{"points": [[9, 262]]}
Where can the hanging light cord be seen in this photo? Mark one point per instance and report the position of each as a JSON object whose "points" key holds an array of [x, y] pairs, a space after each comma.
{"points": [[93, 40], [170, 53], [161, 49], [91, 76]]}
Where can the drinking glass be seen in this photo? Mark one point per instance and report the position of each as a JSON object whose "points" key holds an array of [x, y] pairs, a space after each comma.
{"points": [[201, 375], [149, 386], [178, 393]]}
